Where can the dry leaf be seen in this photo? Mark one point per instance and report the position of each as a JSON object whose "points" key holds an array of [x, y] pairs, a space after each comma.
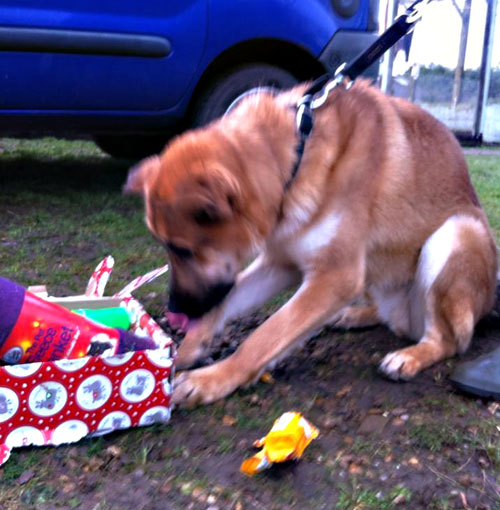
{"points": [[413, 461], [355, 469], [26, 476], [228, 420], [198, 494], [483, 462], [344, 391], [267, 378], [93, 465], [114, 450], [68, 488], [493, 408], [401, 498]]}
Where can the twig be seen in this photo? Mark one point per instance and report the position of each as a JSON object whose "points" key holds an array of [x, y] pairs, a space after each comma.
{"points": [[494, 487], [463, 465], [457, 484], [465, 504]]}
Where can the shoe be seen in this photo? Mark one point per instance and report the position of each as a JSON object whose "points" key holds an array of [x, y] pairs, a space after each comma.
{"points": [[480, 376]]}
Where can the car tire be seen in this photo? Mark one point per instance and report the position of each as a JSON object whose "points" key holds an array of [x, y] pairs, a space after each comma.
{"points": [[131, 146], [225, 88]]}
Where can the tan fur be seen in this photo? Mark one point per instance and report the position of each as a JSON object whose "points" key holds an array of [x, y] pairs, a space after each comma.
{"points": [[378, 178]]}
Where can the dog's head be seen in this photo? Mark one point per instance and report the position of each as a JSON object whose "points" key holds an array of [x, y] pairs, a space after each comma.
{"points": [[194, 206]]}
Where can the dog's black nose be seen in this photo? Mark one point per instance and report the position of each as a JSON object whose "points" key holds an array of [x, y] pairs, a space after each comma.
{"points": [[196, 306]]}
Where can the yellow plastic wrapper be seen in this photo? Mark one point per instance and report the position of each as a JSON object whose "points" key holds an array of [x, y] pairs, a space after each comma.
{"points": [[287, 440]]}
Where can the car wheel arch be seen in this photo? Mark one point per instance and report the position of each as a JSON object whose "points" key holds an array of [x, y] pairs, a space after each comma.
{"points": [[287, 55]]}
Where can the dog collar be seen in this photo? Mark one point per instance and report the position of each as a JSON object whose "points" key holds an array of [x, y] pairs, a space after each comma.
{"points": [[304, 121], [313, 98]]}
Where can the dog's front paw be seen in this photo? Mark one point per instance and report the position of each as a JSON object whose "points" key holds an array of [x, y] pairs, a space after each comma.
{"points": [[201, 386], [400, 365], [194, 347], [198, 341]]}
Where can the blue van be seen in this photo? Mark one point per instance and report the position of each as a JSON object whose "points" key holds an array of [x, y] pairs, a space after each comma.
{"points": [[130, 73]]}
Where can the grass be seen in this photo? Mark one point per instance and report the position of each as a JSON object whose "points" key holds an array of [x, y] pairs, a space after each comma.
{"points": [[18, 464], [60, 245], [485, 176], [434, 436], [484, 438], [62, 211], [356, 498]]}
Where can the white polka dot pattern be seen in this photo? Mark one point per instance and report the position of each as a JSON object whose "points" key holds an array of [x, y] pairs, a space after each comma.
{"points": [[59, 402]]}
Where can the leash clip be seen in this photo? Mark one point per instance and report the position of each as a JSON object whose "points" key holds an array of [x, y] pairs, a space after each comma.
{"points": [[339, 79]]}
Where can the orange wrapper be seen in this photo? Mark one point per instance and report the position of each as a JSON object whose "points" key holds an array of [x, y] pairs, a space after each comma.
{"points": [[287, 440]]}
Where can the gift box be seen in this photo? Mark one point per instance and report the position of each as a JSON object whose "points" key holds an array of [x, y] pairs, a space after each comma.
{"points": [[58, 402]]}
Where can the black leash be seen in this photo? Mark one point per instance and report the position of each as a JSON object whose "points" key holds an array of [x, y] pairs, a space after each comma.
{"points": [[316, 95], [389, 38]]}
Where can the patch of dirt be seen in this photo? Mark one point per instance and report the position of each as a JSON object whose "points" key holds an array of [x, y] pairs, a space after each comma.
{"points": [[382, 443]]}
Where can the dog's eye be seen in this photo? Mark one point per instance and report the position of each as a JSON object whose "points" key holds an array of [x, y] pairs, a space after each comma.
{"points": [[202, 217], [179, 251], [207, 215]]}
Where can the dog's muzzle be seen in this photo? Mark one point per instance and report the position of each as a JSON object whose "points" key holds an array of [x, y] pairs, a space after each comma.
{"points": [[196, 306]]}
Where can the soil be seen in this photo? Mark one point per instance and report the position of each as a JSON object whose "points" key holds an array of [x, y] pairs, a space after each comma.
{"points": [[377, 438]]}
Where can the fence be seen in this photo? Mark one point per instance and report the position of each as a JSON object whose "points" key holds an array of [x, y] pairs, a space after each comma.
{"points": [[450, 65]]}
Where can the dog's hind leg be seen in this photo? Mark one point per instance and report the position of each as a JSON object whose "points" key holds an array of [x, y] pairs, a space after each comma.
{"points": [[456, 281], [255, 285]]}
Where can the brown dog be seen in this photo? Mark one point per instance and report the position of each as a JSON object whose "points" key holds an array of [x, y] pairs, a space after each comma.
{"points": [[381, 224]]}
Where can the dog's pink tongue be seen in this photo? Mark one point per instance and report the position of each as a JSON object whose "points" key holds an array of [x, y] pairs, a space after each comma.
{"points": [[180, 321]]}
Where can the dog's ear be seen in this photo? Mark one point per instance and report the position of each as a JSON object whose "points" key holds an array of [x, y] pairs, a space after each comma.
{"points": [[139, 175]]}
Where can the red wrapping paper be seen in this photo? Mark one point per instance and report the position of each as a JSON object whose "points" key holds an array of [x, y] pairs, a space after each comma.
{"points": [[57, 402]]}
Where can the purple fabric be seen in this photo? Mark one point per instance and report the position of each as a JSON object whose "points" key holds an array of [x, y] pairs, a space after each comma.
{"points": [[131, 342], [11, 302]]}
